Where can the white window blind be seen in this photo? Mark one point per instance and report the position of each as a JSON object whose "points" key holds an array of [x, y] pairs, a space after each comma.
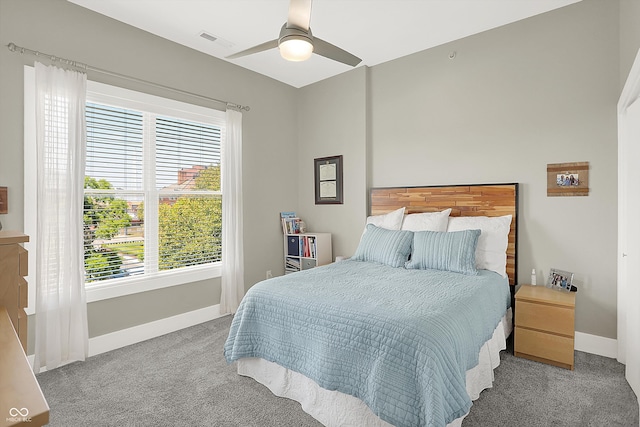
{"points": [[190, 202], [153, 200]]}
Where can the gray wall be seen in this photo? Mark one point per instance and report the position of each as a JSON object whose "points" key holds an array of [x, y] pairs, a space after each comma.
{"points": [[64, 29], [538, 91], [629, 36], [331, 122]]}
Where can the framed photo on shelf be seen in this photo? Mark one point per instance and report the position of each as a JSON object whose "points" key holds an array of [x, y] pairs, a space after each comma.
{"points": [[328, 180], [560, 279]]}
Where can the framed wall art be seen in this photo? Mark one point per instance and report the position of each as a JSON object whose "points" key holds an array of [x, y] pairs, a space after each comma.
{"points": [[568, 179], [328, 180]]}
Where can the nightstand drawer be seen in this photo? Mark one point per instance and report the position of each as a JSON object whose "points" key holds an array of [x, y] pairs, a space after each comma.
{"points": [[546, 346], [559, 320]]}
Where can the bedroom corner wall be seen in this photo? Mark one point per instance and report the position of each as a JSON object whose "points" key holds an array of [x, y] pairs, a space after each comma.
{"points": [[332, 121], [67, 30], [538, 91]]}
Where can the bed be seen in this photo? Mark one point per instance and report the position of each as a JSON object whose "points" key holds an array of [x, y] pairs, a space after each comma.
{"points": [[407, 331]]}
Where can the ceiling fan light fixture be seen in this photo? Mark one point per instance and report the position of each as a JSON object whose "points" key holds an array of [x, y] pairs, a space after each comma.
{"points": [[295, 48], [296, 42]]}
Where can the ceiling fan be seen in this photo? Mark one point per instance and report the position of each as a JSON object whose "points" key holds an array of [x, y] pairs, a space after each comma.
{"points": [[296, 43]]}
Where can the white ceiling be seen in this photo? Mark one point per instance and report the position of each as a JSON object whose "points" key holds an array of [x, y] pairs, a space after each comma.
{"points": [[375, 30]]}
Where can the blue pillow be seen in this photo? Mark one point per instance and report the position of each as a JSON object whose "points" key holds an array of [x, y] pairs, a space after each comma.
{"points": [[391, 247], [450, 251]]}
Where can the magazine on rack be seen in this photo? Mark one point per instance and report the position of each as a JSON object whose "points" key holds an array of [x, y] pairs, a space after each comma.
{"points": [[290, 223]]}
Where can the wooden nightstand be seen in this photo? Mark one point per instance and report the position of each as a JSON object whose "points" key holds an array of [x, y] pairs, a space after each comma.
{"points": [[545, 325]]}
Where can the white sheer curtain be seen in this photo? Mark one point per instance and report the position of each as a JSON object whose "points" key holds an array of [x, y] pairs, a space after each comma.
{"points": [[61, 311], [232, 235]]}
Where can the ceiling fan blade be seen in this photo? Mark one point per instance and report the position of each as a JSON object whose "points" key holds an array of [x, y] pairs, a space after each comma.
{"points": [[259, 48], [299, 14], [330, 51]]}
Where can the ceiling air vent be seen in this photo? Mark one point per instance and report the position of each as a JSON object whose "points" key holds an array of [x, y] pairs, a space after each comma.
{"points": [[208, 36], [217, 40]]}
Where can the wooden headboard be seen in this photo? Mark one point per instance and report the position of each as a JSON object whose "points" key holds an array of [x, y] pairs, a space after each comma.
{"points": [[464, 200]]}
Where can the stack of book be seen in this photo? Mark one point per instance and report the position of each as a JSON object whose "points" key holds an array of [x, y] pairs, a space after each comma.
{"points": [[308, 247]]}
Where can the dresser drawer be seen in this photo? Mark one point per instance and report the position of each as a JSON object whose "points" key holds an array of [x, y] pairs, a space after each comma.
{"points": [[559, 320], [23, 259], [23, 293], [543, 345]]}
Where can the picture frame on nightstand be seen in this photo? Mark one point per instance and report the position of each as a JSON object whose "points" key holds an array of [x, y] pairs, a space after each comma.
{"points": [[560, 279]]}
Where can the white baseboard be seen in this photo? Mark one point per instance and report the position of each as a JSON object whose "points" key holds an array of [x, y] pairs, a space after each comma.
{"points": [[594, 344], [588, 343], [136, 334]]}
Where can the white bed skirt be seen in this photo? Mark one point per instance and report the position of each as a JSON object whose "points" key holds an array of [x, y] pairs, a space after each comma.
{"points": [[333, 408]]}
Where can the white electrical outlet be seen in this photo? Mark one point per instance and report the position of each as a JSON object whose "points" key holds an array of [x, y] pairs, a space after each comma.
{"points": [[269, 275]]}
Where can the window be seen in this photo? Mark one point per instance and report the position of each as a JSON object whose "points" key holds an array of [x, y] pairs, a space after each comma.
{"points": [[152, 198], [146, 213]]}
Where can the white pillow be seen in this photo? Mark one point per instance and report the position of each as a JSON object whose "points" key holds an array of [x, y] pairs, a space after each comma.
{"points": [[491, 252], [428, 221], [390, 221]]}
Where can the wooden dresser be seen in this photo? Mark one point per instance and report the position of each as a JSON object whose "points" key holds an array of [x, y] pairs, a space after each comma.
{"points": [[13, 287], [21, 400], [545, 325]]}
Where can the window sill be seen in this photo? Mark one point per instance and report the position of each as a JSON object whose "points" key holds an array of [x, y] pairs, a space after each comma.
{"points": [[122, 287]]}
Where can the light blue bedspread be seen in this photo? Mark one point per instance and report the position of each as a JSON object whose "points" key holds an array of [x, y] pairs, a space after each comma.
{"points": [[400, 340]]}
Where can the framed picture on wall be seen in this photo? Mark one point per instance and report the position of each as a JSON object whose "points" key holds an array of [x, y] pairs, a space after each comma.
{"points": [[328, 180], [4, 200], [568, 179]]}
